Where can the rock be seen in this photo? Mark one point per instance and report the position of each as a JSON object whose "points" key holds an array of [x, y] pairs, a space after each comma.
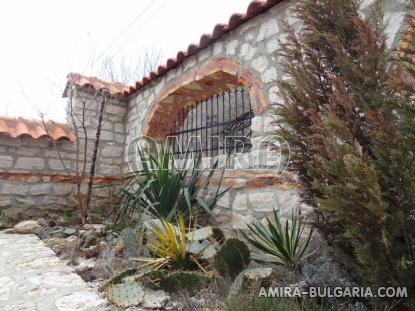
{"points": [[88, 239], [99, 229], [252, 279], [42, 222], [52, 223], [154, 299], [69, 231], [62, 221], [27, 227], [119, 247], [60, 245], [200, 234], [55, 232], [84, 265]]}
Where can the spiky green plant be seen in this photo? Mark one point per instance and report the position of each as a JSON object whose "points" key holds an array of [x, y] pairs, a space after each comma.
{"points": [[281, 245], [169, 245], [163, 189]]}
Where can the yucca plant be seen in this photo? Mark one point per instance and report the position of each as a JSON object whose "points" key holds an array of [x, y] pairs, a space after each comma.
{"points": [[163, 190], [278, 244], [170, 247]]}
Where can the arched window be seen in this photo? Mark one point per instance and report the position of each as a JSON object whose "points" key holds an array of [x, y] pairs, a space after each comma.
{"points": [[219, 124]]}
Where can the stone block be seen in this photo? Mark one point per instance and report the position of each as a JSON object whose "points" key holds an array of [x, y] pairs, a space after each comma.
{"points": [[28, 151], [217, 48], [269, 75], [287, 201], [267, 29], [112, 151], [204, 54], [247, 51], [112, 109], [240, 221], [240, 202], [39, 189], [108, 169], [63, 189], [262, 201], [106, 135], [230, 47], [273, 95], [56, 165], [5, 202], [26, 200], [260, 63], [6, 161], [30, 163], [225, 200], [272, 45], [14, 188], [256, 124], [119, 127]]}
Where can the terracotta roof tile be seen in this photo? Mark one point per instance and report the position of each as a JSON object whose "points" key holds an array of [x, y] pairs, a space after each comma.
{"points": [[114, 89], [255, 8], [18, 127]]}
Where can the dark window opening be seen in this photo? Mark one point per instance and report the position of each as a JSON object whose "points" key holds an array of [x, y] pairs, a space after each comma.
{"points": [[220, 124]]}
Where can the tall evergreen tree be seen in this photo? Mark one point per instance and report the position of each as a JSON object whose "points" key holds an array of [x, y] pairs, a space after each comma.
{"points": [[352, 136]]}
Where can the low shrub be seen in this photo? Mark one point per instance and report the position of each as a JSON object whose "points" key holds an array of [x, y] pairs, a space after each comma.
{"points": [[278, 244]]}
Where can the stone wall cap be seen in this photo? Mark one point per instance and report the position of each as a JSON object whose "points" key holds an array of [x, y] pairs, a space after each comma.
{"points": [[20, 127]]}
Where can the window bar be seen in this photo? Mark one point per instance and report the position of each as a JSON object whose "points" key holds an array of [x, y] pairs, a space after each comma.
{"points": [[250, 115], [177, 137], [243, 111], [183, 125], [201, 126], [223, 121], [243, 108], [197, 130], [217, 124], [187, 130], [191, 127], [206, 128], [211, 126], [229, 111], [236, 115]]}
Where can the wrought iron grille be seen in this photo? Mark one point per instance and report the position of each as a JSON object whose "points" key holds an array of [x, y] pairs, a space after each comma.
{"points": [[220, 124]]}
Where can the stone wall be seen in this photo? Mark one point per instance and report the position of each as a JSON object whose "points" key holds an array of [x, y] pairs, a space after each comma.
{"points": [[33, 180], [253, 47]]}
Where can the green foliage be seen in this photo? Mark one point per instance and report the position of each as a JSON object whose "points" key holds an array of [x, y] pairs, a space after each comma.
{"points": [[169, 245], [350, 125], [184, 280], [281, 245], [232, 258], [125, 294], [163, 189], [152, 279], [177, 247]]}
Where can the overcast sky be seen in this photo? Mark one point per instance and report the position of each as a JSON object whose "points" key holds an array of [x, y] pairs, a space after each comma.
{"points": [[42, 41]]}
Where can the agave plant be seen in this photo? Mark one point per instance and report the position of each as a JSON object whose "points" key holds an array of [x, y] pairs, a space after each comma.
{"points": [[278, 244], [169, 244], [164, 190]]}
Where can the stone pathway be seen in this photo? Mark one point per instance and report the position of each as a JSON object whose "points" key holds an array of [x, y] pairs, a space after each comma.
{"points": [[32, 278]]}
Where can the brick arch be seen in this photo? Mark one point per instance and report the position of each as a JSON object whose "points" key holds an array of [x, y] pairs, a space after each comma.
{"points": [[217, 75]]}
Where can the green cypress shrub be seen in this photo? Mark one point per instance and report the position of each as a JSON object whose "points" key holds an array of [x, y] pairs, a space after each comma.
{"points": [[352, 137]]}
